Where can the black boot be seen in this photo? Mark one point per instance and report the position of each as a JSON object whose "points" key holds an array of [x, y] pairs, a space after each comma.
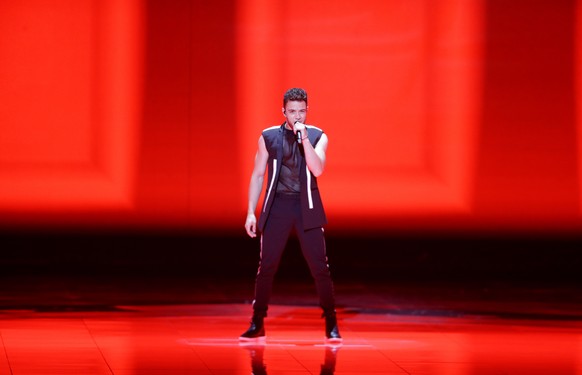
{"points": [[255, 331], [331, 330]]}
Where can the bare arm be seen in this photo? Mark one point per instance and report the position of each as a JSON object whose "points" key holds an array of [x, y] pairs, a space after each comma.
{"points": [[255, 186], [314, 156]]}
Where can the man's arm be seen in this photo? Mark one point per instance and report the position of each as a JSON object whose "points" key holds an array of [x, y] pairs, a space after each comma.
{"points": [[255, 186], [315, 157]]}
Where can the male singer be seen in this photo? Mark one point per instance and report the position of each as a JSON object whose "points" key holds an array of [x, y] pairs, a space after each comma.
{"points": [[294, 154]]}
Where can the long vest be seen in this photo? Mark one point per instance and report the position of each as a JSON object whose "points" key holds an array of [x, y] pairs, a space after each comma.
{"points": [[312, 210]]}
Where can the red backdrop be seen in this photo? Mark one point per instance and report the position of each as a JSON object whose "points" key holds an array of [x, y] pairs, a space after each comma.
{"points": [[441, 115]]}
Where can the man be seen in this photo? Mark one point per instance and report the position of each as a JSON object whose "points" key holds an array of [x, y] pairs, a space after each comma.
{"points": [[294, 155]]}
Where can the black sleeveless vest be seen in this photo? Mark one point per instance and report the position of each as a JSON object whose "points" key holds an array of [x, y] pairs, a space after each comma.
{"points": [[312, 210]]}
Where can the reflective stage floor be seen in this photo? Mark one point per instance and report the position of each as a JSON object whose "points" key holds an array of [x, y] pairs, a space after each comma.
{"points": [[392, 331], [167, 305]]}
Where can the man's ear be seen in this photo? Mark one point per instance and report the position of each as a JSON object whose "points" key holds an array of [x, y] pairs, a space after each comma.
{"points": [[283, 110]]}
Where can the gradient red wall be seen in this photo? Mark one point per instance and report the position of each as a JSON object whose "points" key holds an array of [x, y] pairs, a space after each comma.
{"points": [[441, 115]]}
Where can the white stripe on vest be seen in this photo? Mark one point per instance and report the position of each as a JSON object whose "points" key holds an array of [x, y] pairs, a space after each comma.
{"points": [[309, 197], [271, 184]]}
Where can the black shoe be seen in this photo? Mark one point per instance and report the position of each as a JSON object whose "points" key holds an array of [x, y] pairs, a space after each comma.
{"points": [[255, 331], [331, 330]]}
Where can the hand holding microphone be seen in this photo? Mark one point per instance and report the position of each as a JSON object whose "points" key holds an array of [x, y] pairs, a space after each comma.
{"points": [[300, 129]]}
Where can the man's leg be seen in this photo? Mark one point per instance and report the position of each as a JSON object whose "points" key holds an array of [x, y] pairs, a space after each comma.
{"points": [[313, 247], [273, 241]]}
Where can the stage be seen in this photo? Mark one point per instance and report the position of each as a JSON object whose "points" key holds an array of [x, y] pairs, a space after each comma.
{"points": [[178, 325], [201, 339], [146, 303]]}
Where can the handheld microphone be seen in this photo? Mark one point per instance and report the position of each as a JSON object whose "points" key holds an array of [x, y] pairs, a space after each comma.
{"points": [[298, 133]]}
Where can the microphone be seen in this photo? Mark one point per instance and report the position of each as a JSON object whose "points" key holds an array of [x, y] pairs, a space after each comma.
{"points": [[298, 133]]}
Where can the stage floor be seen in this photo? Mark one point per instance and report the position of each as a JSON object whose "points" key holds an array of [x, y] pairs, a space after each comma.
{"points": [[203, 339], [164, 305]]}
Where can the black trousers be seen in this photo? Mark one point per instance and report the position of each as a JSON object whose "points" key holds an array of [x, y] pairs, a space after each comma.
{"points": [[285, 217]]}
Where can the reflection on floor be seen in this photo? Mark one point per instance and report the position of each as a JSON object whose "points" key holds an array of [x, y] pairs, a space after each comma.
{"points": [[202, 339], [145, 304]]}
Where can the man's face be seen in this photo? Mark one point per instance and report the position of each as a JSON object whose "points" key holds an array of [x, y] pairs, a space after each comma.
{"points": [[295, 111]]}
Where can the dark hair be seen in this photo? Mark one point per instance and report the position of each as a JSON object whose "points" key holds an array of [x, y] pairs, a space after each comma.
{"points": [[295, 94]]}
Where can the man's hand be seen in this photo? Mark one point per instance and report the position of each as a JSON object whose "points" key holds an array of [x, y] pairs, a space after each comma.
{"points": [[251, 225], [300, 127]]}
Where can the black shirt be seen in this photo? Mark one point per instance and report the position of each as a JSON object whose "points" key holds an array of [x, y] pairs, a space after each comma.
{"points": [[289, 177]]}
